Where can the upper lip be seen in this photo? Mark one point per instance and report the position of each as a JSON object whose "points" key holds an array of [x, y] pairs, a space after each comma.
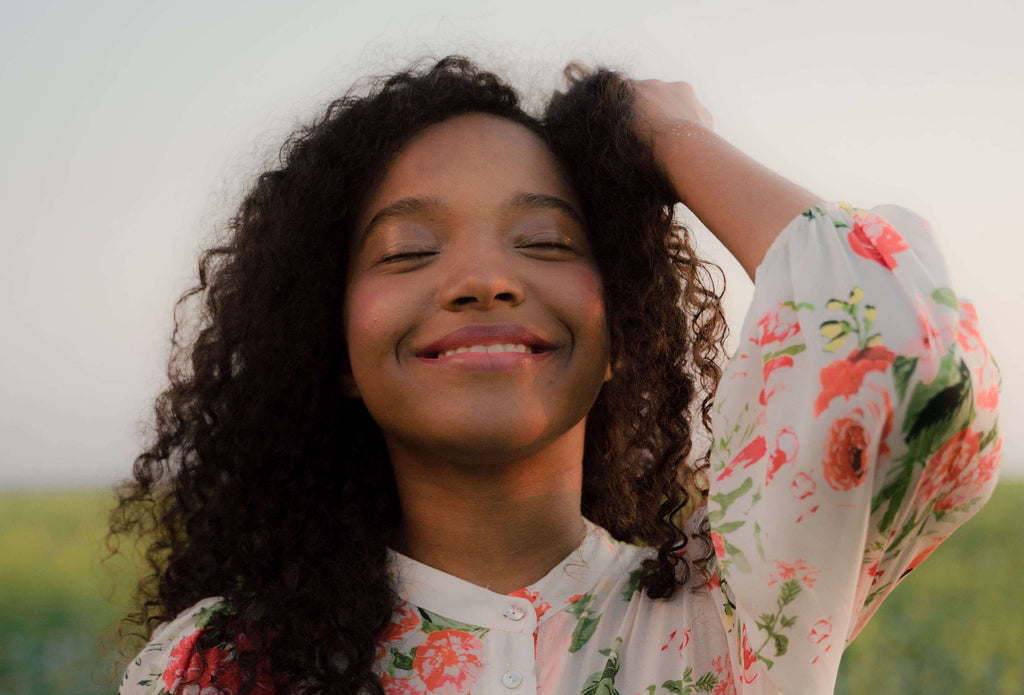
{"points": [[493, 334]]}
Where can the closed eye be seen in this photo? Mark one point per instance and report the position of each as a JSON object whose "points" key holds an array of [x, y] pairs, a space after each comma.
{"points": [[548, 245], [400, 256]]}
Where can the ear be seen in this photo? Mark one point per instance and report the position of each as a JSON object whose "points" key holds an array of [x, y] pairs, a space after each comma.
{"points": [[348, 386], [609, 373]]}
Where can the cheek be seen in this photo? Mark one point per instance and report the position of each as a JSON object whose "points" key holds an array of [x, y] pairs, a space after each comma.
{"points": [[369, 319], [583, 294], [584, 285]]}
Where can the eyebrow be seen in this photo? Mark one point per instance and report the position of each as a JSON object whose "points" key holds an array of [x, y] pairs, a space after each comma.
{"points": [[519, 201], [533, 201]]}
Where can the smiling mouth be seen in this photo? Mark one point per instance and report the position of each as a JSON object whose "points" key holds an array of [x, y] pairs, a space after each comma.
{"points": [[489, 350], [486, 343]]}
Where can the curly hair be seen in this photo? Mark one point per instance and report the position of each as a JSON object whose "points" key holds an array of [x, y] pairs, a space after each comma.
{"points": [[266, 485]]}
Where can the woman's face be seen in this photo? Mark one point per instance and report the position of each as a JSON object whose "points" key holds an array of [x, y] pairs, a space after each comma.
{"points": [[474, 314]]}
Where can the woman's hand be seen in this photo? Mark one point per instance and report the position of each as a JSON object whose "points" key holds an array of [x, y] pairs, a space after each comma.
{"points": [[743, 203], [662, 106]]}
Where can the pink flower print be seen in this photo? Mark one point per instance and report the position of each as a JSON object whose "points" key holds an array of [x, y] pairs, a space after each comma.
{"points": [[786, 448], [803, 486], [968, 334], [719, 543], [197, 672], [684, 639], [402, 620], [845, 377], [821, 631], [971, 483], [751, 454], [447, 662], [725, 687], [875, 239], [780, 362], [946, 466], [799, 570], [539, 605], [821, 635], [723, 669], [989, 398], [852, 441], [749, 660], [936, 331], [777, 326]]}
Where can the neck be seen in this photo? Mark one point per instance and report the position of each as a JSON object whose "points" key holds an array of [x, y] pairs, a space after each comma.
{"points": [[501, 525]]}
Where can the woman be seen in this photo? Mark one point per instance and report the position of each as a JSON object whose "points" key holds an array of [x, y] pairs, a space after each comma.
{"points": [[435, 430]]}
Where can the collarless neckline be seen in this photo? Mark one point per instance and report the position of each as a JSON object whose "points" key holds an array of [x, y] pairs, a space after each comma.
{"points": [[438, 592]]}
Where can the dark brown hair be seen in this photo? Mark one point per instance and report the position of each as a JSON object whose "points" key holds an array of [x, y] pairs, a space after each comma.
{"points": [[264, 484]]}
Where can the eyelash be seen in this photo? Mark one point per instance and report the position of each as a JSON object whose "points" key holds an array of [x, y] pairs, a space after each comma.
{"points": [[543, 244], [550, 244], [416, 255], [405, 256]]}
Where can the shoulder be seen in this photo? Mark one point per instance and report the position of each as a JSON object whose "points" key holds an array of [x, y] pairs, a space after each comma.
{"points": [[164, 662]]}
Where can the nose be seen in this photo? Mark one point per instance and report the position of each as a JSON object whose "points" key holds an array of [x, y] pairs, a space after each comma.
{"points": [[480, 280]]}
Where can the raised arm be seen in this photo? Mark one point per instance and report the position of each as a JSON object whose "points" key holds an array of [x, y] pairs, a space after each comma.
{"points": [[743, 203]]}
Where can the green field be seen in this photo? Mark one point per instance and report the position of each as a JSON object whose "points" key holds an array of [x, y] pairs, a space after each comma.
{"points": [[955, 626]]}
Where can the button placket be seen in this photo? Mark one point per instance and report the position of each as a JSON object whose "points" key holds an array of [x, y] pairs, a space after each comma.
{"points": [[512, 679], [514, 612]]}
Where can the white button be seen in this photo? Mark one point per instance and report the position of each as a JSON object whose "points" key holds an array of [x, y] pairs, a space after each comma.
{"points": [[514, 612], [512, 679]]}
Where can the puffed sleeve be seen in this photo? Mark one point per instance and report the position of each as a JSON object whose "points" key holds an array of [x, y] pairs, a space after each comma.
{"points": [[185, 652], [855, 428]]}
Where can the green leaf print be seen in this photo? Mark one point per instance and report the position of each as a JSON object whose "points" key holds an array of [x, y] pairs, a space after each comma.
{"points": [[772, 624], [205, 615], [988, 437], [935, 412], [837, 331], [781, 644], [706, 683], [946, 297], [676, 687], [730, 526], [581, 606], [584, 631], [435, 623], [632, 585], [401, 661], [603, 682], [798, 306], [790, 590], [723, 500], [734, 556], [932, 411], [791, 350], [902, 369]]}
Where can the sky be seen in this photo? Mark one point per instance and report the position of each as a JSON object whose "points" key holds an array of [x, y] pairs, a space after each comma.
{"points": [[129, 130]]}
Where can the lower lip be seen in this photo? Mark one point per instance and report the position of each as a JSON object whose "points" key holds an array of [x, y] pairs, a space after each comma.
{"points": [[487, 361]]}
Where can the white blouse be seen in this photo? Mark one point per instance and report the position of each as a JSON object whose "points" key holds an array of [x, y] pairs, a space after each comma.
{"points": [[854, 430]]}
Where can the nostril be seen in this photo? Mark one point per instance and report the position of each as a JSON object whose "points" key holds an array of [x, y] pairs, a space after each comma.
{"points": [[505, 297]]}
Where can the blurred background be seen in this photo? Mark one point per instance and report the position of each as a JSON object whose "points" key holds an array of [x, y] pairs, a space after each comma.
{"points": [[129, 131]]}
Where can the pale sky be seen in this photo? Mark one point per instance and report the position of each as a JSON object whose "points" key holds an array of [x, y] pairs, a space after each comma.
{"points": [[129, 129]]}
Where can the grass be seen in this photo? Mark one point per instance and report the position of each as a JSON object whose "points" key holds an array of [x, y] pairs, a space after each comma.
{"points": [[956, 625]]}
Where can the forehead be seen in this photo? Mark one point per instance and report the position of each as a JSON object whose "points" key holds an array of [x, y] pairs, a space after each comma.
{"points": [[474, 160]]}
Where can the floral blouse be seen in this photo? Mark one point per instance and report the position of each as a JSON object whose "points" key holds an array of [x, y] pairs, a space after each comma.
{"points": [[855, 428]]}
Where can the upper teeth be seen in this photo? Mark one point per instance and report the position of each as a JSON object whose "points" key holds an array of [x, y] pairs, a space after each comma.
{"points": [[507, 347]]}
